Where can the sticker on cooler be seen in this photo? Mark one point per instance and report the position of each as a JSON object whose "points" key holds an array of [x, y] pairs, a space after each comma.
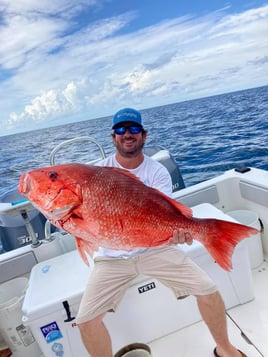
{"points": [[58, 349], [51, 332], [25, 334]]}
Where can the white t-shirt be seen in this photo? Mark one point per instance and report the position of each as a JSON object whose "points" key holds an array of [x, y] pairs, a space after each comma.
{"points": [[152, 174]]}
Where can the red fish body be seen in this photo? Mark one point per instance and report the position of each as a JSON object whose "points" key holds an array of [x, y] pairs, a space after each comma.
{"points": [[111, 208]]}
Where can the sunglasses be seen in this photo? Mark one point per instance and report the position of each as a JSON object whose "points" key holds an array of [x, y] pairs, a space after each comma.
{"points": [[132, 129]]}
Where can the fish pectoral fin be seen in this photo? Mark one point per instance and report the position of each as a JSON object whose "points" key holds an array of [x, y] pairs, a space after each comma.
{"points": [[84, 247], [88, 225]]}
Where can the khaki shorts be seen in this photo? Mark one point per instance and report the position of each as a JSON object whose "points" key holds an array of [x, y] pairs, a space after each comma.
{"points": [[112, 276]]}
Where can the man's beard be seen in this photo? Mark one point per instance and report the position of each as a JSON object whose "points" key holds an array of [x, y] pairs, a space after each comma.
{"points": [[131, 153]]}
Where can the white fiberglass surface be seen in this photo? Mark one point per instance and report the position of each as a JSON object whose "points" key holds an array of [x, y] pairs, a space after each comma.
{"points": [[250, 319]]}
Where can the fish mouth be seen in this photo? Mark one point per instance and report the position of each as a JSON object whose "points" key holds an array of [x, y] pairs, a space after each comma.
{"points": [[58, 213]]}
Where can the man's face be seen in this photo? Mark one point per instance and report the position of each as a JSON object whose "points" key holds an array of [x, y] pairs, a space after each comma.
{"points": [[128, 144]]}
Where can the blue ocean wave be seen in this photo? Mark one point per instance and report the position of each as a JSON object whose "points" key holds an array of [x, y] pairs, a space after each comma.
{"points": [[206, 137]]}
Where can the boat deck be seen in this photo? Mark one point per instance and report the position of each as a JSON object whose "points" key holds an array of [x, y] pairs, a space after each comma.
{"points": [[247, 325]]}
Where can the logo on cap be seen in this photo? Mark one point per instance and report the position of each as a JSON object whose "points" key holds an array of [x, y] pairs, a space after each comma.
{"points": [[127, 114]]}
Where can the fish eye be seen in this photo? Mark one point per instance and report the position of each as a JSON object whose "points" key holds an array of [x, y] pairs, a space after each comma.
{"points": [[53, 175]]}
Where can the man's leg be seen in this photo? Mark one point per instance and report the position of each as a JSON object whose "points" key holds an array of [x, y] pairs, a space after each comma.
{"points": [[96, 338], [106, 286], [212, 310]]}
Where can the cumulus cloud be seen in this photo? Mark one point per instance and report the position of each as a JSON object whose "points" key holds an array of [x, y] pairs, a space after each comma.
{"points": [[49, 104]]}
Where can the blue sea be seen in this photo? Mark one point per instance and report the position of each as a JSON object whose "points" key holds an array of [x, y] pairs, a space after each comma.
{"points": [[206, 137]]}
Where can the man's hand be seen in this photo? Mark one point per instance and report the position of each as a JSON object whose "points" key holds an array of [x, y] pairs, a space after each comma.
{"points": [[181, 236]]}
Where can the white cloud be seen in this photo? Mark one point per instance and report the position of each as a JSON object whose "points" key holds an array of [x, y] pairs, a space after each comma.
{"points": [[49, 104], [64, 8], [96, 67], [31, 35]]}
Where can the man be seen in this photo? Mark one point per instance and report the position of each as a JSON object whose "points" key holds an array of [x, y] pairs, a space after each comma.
{"points": [[113, 269]]}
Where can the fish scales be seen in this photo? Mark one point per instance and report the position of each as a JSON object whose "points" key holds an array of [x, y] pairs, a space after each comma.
{"points": [[111, 208]]}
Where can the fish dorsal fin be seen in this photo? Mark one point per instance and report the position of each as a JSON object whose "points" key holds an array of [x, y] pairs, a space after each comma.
{"points": [[184, 210]]}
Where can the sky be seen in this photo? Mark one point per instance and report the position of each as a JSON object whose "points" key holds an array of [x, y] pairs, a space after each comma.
{"points": [[63, 61]]}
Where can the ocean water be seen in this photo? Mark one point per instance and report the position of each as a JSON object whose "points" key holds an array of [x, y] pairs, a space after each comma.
{"points": [[205, 136]]}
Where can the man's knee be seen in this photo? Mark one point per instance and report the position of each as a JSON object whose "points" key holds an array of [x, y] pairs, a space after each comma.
{"points": [[210, 299], [90, 326]]}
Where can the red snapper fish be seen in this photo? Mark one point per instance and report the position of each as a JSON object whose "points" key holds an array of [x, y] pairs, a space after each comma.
{"points": [[111, 208]]}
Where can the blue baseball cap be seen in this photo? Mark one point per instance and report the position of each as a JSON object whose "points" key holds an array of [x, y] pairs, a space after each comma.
{"points": [[127, 115]]}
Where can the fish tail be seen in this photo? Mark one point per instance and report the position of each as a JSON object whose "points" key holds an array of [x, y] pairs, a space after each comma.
{"points": [[222, 238]]}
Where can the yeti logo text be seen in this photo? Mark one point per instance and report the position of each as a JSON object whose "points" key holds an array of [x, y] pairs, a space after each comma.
{"points": [[147, 287]]}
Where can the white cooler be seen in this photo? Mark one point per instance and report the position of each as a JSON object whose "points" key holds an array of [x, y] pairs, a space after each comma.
{"points": [[148, 310]]}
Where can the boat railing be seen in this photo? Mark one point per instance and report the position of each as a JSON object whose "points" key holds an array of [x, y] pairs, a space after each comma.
{"points": [[75, 140]]}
